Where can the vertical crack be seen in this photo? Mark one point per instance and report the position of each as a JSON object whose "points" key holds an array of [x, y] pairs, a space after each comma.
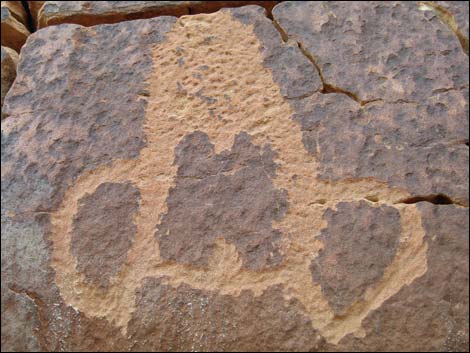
{"points": [[448, 19], [327, 87], [29, 16]]}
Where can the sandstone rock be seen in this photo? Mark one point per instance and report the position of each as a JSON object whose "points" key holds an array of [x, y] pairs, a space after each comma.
{"points": [[185, 184], [9, 62], [377, 50], [14, 33], [17, 10], [89, 13]]}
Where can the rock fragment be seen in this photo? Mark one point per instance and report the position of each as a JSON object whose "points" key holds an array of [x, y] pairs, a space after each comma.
{"points": [[17, 10], [9, 63], [14, 32]]}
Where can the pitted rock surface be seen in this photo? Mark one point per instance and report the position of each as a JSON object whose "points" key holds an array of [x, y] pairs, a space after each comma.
{"points": [[360, 242], [228, 195], [377, 50], [198, 183], [413, 146], [103, 230], [435, 306], [219, 321], [110, 113]]}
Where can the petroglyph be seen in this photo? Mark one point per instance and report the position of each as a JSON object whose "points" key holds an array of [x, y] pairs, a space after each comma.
{"points": [[243, 98]]}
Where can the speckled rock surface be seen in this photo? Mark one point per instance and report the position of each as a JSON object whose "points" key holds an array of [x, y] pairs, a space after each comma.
{"points": [[14, 32], [9, 62], [89, 13], [188, 184]]}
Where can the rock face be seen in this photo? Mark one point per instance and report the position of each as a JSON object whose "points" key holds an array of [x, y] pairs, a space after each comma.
{"points": [[89, 13], [9, 62], [222, 182]]}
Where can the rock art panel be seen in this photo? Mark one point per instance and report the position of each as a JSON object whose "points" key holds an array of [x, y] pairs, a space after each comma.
{"points": [[196, 155]]}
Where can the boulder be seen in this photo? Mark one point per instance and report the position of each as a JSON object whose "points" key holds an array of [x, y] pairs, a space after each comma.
{"points": [[14, 32], [183, 184], [17, 10]]}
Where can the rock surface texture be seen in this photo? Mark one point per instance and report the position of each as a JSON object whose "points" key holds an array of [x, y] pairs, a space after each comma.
{"points": [[228, 182]]}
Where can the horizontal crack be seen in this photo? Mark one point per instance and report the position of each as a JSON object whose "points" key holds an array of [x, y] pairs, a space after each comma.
{"points": [[436, 199]]}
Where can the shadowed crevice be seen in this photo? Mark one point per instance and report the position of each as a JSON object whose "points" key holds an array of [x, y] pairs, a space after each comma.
{"points": [[437, 199], [30, 21]]}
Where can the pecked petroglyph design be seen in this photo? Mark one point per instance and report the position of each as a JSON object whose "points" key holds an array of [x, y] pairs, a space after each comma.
{"points": [[216, 84]]}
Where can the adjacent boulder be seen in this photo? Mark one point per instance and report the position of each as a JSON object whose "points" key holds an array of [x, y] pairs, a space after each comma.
{"points": [[9, 62], [17, 10], [14, 32], [89, 13], [188, 183]]}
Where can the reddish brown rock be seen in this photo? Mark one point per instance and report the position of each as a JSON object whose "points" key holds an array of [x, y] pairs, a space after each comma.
{"points": [[9, 63], [89, 13], [14, 32], [242, 211], [435, 306], [186, 319], [418, 147], [184, 184], [360, 242], [104, 224], [377, 50]]}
